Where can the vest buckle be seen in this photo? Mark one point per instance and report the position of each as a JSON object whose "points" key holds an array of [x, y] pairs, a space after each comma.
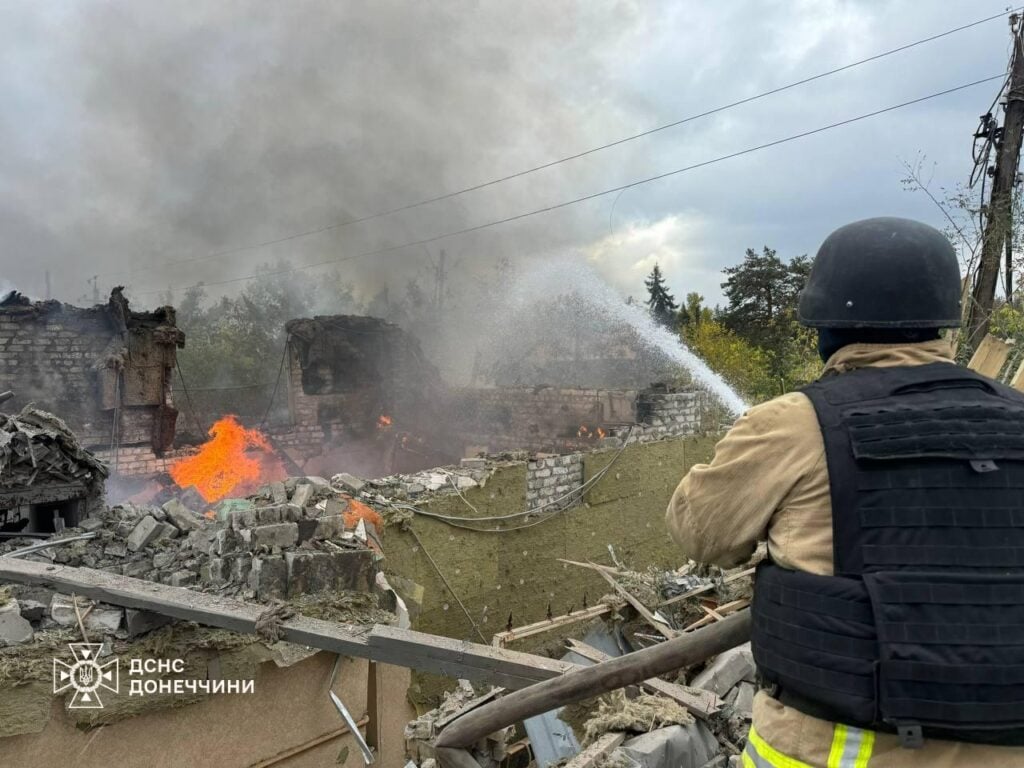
{"points": [[910, 735]]}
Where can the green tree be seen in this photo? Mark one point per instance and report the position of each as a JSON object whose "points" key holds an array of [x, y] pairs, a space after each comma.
{"points": [[762, 294], [694, 312], [732, 357], [660, 302]]}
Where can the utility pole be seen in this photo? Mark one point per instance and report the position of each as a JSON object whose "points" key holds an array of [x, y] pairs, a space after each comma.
{"points": [[999, 223], [439, 286]]}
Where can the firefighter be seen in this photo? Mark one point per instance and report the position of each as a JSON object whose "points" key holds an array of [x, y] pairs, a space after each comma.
{"points": [[889, 613]]}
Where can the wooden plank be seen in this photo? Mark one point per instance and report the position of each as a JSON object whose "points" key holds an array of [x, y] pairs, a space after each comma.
{"points": [[706, 588], [504, 638], [666, 631], [388, 645], [1017, 382], [509, 669], [695, 700], [990, 356], [596, 752], [713, 616]]}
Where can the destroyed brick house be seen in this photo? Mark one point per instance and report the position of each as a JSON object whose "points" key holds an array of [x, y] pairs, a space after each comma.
{"points": [[106, 370], [343, 611]]}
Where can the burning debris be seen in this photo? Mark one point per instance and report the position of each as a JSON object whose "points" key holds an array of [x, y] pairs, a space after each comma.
{"points": [[233, 462]]}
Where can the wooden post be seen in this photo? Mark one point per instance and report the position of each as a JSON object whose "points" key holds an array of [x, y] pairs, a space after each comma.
{"points": [[373, 692], [1000, 206]]}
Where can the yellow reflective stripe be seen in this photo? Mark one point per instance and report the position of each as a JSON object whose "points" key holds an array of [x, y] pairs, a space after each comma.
{"points": [[748, 761], [835, 755], [864, 753], [769, 754]]}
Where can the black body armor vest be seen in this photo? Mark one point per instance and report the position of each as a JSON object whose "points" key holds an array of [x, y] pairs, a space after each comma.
{"points": [[921, 629]]}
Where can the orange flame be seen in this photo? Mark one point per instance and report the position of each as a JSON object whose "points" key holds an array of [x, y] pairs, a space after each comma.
{"points": [[357, 511], [583, 432], [223, 466], [383, 421]]}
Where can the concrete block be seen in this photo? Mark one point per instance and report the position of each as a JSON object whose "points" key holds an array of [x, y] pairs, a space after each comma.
{"points": [[307, 529], [268, 515], [116, 549], [278, 493], [329, 527], [140, 622], [104, 618], [241, 567], [302, 495], [277, 535], [144, 533], [292, 513], [180, 516], [269, 577], [679, 746], [214, 572], [349, 482], [183, 578], [165, 532], [163, 559], [225, 541], [727, 670], [744, 701], [310, 572], [14, 628], [244, 518]]}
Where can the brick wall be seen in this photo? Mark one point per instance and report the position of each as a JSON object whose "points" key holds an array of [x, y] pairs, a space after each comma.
{"points": [[552, 480], [133, 460], [540, 418], [559, 420], [104, 370]]}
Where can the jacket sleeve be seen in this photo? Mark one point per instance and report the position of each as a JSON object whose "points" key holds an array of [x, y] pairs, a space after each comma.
{"points": [[720, 511]]}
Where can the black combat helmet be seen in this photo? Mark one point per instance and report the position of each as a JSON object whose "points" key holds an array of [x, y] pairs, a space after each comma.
{"points": [[883, 273]]}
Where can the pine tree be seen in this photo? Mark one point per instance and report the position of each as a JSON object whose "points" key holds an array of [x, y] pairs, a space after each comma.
{"points": [[661, 303]]}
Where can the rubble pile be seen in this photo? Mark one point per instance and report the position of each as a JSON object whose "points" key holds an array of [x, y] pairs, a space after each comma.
{"points": [[35, 444], [289, 540], [421, 732], [470, 473]]}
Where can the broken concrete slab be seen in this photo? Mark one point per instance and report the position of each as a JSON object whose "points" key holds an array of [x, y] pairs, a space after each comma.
{"points": [[14, 628], [727, 670]]}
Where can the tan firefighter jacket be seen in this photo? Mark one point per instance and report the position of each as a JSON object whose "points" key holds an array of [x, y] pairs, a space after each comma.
{"points": [[768, 481]]}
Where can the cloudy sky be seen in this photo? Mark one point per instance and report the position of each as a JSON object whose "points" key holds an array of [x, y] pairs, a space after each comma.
{"points": [[151, 144]]}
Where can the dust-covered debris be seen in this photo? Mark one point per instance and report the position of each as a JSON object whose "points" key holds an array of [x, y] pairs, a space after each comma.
{"points": [[618, 712]]}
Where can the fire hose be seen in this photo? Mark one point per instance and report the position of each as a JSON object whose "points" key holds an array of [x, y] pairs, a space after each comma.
{"points": [[572, 687]]}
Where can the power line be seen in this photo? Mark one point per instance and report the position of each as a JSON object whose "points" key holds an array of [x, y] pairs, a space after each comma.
{"points": [[584, 198], [584, 153]]}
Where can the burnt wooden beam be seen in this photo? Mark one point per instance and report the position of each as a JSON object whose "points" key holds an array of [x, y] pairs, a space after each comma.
{"points": [[380, 643]]}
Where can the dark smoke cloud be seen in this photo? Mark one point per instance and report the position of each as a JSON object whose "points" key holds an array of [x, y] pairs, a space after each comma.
{"points": [[135, 133]]}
